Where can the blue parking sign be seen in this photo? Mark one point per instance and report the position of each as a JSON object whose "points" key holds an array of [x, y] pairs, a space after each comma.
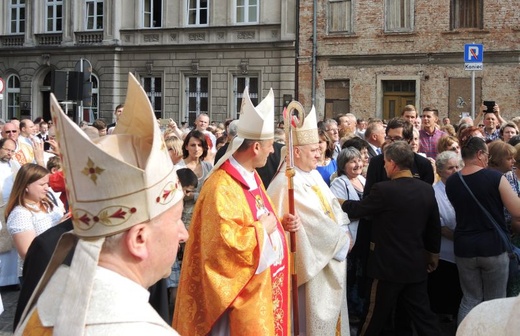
{"points": [[473, 53]]}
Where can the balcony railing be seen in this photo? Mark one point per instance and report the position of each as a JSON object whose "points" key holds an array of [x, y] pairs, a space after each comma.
{"points": [[12, 41], [89, 37], [49, 38]]}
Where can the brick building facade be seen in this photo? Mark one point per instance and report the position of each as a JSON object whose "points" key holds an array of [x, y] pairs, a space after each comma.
{"points": [[373, 57]]}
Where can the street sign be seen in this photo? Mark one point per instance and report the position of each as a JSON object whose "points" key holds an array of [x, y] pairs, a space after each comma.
{"points": [[473, 66], [473, 57], [2, 85]]}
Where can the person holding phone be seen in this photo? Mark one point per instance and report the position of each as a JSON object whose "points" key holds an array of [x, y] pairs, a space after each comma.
{"points": [[490, 116]]}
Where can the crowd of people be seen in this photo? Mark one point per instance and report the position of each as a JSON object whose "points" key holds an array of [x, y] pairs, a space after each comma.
{"points": [[150, 224]]}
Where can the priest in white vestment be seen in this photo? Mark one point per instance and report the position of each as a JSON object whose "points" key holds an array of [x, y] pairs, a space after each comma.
{"points": [[323, 241]]}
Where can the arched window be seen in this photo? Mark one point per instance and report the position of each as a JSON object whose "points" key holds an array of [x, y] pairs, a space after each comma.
{"points": [[94, 108], [13, 96]]}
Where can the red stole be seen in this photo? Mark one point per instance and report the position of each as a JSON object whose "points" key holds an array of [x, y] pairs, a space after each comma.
{"points": [[279, 273]]}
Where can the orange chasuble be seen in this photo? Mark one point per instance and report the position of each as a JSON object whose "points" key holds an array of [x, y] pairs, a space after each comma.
{"points": [[218, 276]]}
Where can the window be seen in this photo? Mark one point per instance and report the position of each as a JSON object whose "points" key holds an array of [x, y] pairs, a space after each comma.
{"points": [[153, 88], [337, 93], [340, 16], [247, 11], [198, 12], [197, 97], [54, 16], [466, 14], [95, 97], [17, 16], [93, 107], [239, 86], [152, 13], [399, 15], [94, 14], [13, 96]]}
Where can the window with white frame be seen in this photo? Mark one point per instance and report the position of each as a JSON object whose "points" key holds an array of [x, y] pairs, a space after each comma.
{"points": [[152, 13], [246, 11], [239, 85], [93, 108], [197, 97], [198, 12], [94, 14], [17, 16], [13, 96], [467, 14], [399, 15], [53, 16], [153, 87], [340, 16]]}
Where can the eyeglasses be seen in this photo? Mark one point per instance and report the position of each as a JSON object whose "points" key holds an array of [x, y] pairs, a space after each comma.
{"points": [[9, 132], [333, 130], [392, 139], [12, 151]]}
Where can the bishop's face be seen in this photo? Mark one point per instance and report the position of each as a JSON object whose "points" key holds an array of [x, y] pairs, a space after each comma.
{"points": [[306, 156]]}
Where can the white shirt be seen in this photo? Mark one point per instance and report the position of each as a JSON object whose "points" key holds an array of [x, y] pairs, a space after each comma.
{"points": [[447, 214]]}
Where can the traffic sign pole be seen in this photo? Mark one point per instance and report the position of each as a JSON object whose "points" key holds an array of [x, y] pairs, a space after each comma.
{"points": [[473, 61], [473, 95]]}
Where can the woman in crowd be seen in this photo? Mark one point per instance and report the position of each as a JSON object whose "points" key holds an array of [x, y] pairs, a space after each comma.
{"points": [[362, 146], [502, 159], [501, 156], [443, 284], [513, 176], [414, 144], [480, 253], [349, 185], [194, 149], [448, 143], [174, 145], [470, 131], [508, 130], [31, 208], [326, 164]]}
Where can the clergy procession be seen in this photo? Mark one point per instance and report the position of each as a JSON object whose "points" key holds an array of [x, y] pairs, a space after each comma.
{"points": [[261, 226]]}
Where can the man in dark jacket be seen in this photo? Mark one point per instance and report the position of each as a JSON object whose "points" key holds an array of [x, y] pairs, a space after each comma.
{"points": [[405, 226]]}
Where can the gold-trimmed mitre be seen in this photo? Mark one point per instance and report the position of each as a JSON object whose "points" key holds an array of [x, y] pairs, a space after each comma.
{"points": [[308, 132]]}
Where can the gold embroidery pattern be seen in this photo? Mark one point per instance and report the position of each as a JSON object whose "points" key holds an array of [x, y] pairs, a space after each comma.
{"points": [[110, 216], [278, 303], [325, 206], [305, 137], [92, 171]]}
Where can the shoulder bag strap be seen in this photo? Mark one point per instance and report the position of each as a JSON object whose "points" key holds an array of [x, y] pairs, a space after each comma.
{"points": [[501, 232]]}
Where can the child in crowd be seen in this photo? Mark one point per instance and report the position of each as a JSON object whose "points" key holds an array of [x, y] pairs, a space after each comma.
{"points": [[56, 179], [189, 182]]}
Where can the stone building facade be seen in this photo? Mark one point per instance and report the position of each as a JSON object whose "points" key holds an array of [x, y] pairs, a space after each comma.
{"points": [[192, 56], [373, 57]]}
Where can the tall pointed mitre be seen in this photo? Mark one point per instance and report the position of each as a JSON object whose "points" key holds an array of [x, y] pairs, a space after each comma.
{"points": [[113, 183], [254, 123], [308, 132], [119, 180]]}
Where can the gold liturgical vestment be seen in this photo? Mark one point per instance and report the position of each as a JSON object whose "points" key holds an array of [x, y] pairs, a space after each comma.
{"points": [[218, 276]]}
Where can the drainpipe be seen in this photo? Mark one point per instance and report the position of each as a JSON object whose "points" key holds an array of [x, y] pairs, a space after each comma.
{"points": [[314, 50]]}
